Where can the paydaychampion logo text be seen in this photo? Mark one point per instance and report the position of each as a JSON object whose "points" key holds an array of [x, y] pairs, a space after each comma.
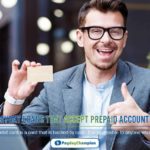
{"points": [[75, 143]]}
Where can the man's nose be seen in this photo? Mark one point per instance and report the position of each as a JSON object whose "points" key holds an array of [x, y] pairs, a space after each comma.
{"points": [[105, 38]]}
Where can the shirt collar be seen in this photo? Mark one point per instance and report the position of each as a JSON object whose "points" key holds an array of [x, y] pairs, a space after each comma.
{"points": [[101, 86]]}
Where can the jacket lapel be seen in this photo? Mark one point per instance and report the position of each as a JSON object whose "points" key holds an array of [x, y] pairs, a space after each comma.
{"points": [[72, 96], [123, 75]]}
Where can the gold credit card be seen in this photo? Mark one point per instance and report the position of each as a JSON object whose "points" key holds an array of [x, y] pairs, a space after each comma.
{"points": [[40, 74]]}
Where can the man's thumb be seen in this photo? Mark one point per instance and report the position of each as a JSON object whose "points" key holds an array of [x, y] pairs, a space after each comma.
{"points": [[125, 93]]}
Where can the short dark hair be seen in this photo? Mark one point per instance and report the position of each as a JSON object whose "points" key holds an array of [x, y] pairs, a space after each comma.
{"points": [[104, 6]]}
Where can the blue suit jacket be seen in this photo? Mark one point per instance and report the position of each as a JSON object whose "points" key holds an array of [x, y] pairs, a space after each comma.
{"points": [[64, 97]]}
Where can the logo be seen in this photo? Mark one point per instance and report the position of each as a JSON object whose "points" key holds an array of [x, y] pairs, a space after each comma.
{"points": [[75, 143], [58, 142]]}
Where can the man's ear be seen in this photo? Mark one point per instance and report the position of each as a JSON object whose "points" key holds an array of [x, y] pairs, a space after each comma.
{"points": [[79, 35], [125, 39]]}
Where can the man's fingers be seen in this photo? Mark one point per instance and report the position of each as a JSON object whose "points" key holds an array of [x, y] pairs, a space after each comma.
{"points": [[117, 127], [15, 65], [38, 64], [113, 113], [32, 86], [25, 64], [125, 93], [33, 64], [114, 106], [111, 108]]}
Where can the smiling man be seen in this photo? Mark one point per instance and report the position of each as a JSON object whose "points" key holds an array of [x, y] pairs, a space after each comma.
{"points": [[103, 86]]}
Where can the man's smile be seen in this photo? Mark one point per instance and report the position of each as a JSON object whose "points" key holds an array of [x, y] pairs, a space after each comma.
{"points": [[105, 53]]}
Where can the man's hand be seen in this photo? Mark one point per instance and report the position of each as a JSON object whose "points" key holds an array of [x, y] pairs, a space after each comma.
{"points": [[126, 108], [18, 87]]}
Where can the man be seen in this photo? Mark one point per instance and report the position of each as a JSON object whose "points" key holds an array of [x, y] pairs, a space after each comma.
{"points": [[104, 85]]}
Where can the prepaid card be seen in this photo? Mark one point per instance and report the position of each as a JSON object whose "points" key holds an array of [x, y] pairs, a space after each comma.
{"points": [[40, 74]]}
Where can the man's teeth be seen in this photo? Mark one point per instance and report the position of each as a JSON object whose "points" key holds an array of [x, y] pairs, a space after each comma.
{"points": [[104, 51]]}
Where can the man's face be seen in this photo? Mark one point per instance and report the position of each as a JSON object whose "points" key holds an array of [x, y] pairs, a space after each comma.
{"points": [[105, 52]]}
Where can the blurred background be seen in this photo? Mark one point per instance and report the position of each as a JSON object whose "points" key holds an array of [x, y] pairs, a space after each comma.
{"points": [[44, 31]]}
